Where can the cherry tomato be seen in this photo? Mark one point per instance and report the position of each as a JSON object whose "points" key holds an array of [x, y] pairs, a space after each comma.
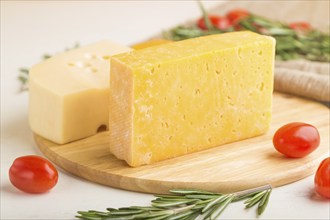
{"points": [[322, 179], [300, 26], [234, 16], [219, 22], [296, 139], [33, 174]]}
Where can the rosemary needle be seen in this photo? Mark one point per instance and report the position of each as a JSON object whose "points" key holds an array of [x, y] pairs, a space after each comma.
{"points": [[262, 205]]}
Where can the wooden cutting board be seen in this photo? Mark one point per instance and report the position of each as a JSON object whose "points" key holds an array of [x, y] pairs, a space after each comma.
{"points": [[231, 167]]}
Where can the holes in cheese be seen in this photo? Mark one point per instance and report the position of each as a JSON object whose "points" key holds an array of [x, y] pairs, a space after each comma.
{"points": [[69, 93], [186, 96]]}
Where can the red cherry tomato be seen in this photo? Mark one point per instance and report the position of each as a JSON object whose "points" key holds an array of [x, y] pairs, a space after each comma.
{"points": [[322, 179], [219, 22], [300, 26], [296, 139], [33, 174], [234, 16]]}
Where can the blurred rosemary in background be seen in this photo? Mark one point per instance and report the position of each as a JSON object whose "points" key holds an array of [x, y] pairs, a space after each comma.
{"points": [[293, 41]]}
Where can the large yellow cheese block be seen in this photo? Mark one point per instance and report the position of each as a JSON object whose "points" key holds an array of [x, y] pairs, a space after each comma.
{"points": [[186, 96], [69, 93]]}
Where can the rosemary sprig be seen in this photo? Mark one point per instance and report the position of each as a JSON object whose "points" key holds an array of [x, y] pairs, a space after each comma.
{"points": [[290, 44], [206, 18], [185, 205], [23, 76]]}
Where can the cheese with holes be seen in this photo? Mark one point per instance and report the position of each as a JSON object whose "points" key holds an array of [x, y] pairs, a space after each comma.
{"points": [[69, 93], [186, 96]]}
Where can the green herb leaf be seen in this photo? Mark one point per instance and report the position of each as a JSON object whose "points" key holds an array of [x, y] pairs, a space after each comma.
{"points": [[264, 202], [46, 56], [216, 213]]}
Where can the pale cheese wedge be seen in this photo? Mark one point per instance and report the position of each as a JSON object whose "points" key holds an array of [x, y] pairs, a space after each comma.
{"points": [[69, 93]]}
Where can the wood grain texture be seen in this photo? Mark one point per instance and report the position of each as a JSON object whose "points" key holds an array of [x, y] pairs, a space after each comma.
{"points": [[231, 167]]}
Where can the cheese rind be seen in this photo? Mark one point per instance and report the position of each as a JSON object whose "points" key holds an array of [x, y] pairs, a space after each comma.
{"points": [[69, 93], [183, 97]]}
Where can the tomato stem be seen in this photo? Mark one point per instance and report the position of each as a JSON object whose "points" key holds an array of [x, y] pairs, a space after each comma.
{"points": [[206, 18]]}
